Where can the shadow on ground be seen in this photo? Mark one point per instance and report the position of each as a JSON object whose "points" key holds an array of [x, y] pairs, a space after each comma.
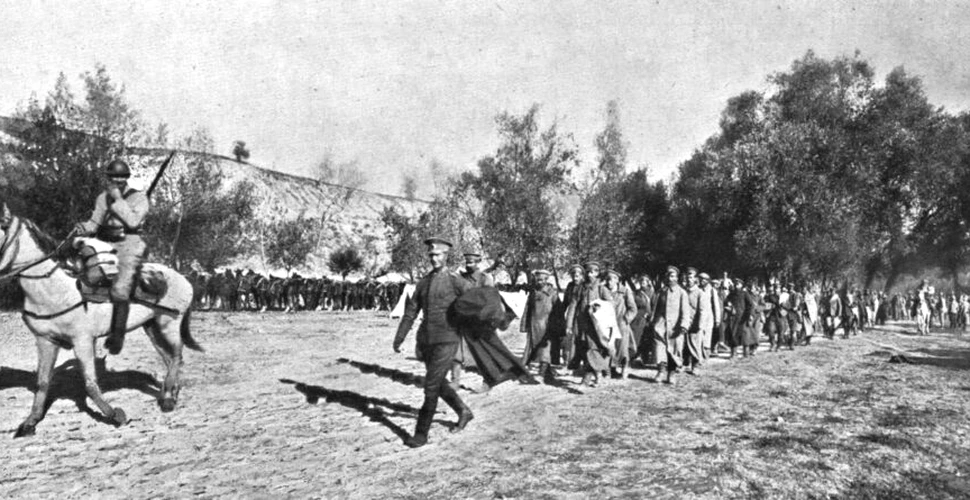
{"points": [[958, 359], [370, 407], [399, 376], [68, 383]]}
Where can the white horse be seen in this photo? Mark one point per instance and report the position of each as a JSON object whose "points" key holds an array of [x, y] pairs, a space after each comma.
{"points": [[58, 316]]}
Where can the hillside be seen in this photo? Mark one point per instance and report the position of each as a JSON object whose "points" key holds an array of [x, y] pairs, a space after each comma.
{"points": [[353, 215]]}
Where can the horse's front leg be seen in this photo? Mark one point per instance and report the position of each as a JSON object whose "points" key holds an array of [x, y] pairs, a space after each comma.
{"points": [[84, 351], [46, 357]]}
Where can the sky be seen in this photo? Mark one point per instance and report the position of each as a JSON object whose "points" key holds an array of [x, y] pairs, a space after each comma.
{"points": [[396, 85]]}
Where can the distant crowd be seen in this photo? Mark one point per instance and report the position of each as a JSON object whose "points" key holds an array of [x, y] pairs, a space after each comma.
{"points": [[238, 290]]}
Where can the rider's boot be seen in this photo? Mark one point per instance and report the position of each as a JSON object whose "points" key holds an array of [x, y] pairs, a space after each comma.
{"points": [[119, 323]]}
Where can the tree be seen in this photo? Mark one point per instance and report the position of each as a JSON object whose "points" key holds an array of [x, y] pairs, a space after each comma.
{"points": [[196, 217], [604, 224], [345, 261], [290, 241], [240, 152], [515, 189], [55, 173], [404, 234], [828, 176], [409, 186]]}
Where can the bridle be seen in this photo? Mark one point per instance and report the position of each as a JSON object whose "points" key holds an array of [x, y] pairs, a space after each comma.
{"points": [[11, 244]]}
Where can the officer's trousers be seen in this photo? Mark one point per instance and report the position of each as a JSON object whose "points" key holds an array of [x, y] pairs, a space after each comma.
{"points": [[438, 359]]}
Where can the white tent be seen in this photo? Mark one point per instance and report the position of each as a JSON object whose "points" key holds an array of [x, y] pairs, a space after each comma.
{"points": [[398, 310], [515, 300]]}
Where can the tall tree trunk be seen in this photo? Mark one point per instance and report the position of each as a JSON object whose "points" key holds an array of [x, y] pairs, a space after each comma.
{"points": [[871, 269], [895, 269], [175, 239]]}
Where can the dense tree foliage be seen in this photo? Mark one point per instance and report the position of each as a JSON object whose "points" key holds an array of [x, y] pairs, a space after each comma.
{"points": [[288, 242], [828, 176], [53, 172], [345, 261], [515, 190]]}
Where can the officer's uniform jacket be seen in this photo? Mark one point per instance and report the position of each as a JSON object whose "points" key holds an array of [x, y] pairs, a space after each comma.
{"points": [[434, 295]]}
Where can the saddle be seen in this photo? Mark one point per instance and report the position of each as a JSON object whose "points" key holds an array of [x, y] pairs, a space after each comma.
{"points": [[97, 265]]}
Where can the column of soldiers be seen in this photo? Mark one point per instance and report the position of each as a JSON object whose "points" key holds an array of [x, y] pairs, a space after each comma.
{"points": [[687, 318]]}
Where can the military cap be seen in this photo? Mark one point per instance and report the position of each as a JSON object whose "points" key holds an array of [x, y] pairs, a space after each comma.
{"points": [[613, 272], [472, 257], [691, 270], [672, 269], [575, 266], [591, 263], [738, 281], [539, 272], [436, 244], [704, 276]]}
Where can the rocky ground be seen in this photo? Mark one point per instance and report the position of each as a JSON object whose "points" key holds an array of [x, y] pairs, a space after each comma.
{"points": [[315, 405]]}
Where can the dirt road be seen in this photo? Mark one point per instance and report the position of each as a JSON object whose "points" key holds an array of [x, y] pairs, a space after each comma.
{"points": [[835, 419]]}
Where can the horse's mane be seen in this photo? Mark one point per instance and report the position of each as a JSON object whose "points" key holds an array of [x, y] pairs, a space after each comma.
{"points": [[45, 242]]}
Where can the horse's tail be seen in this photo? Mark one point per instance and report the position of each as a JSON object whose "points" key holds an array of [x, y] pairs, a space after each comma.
{"points": [[187, 339]]}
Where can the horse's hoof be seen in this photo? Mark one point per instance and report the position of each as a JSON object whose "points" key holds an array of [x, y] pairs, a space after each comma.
{"points": [[119, 417], [167, 405], [25, 430]]}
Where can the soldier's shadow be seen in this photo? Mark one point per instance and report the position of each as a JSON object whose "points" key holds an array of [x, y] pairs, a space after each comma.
{"points": [[68, 383], [398, 376], [377, 410]]}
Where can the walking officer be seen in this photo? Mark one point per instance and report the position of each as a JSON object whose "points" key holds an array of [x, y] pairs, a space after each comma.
{"points": [[119, 213], [437, 338]]}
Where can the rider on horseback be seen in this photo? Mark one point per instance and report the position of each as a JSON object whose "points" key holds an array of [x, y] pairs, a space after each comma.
{"points": [[117, 219]]}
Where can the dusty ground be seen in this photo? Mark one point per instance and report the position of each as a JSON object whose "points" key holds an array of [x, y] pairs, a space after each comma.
{"points": [[834, 420]]}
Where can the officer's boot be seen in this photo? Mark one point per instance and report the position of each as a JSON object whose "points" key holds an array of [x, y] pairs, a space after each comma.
{"points": [[420, 437], [464, 412], [119, 324], [661, 369]]}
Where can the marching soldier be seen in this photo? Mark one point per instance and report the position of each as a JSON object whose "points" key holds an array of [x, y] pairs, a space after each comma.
{"points": [[437, 339], [540, 324], [625, 307], [119, 213], [589, 348], [476, 278], [571, 300], [671, 318], [708, 314]]}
